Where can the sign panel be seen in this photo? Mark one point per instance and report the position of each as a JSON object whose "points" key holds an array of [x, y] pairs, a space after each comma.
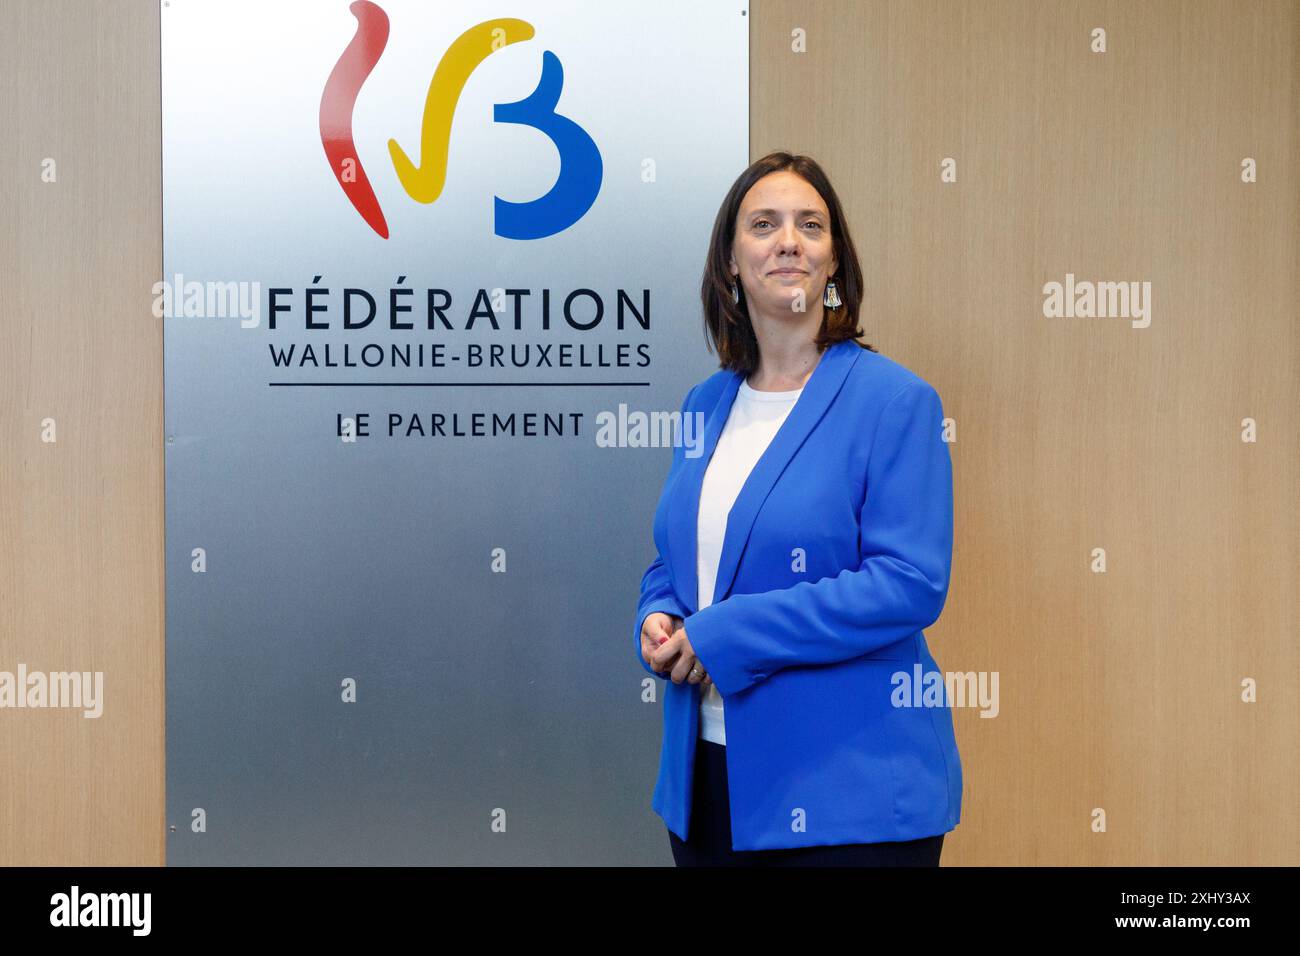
{"points": [[425, 267]]}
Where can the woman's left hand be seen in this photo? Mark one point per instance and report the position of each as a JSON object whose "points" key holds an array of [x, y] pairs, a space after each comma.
{"points": [[687, 666]]}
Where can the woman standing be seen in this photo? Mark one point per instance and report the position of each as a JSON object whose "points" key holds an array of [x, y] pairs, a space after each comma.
{"points": [[800, 557]]}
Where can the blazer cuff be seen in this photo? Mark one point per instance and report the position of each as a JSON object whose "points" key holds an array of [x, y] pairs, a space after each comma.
{"points": [[707, 629]]}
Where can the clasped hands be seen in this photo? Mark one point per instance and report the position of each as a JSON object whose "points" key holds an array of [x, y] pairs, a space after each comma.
{"points": [[665, 647]]}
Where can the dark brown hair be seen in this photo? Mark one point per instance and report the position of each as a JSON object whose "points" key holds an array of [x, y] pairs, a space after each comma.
{"points": [[727, 328]]}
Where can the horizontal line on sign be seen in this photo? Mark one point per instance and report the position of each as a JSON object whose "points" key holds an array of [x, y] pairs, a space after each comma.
{"points": [[457, 384]]}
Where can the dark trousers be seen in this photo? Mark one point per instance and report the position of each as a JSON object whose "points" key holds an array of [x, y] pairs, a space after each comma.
{"points": [[710, 832]]}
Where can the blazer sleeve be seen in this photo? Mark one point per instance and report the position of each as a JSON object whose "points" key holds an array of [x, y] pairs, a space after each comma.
{"points": [[898, 588], [656, 588]]}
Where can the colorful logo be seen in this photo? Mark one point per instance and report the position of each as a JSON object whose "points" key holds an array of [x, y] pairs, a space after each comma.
{"points": [[580, 165]]}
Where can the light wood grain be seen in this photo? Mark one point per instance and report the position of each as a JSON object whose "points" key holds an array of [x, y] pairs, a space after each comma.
{"points": [[1121, 690], [81, 519]]}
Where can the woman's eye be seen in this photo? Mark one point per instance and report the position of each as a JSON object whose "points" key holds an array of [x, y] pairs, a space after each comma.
{"points": [[763, 221]]}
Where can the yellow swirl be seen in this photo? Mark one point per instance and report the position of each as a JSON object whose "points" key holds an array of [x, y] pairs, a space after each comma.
{"points": [[424, 183]]}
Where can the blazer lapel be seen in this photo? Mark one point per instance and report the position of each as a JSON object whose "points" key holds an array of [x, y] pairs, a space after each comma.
{"points": [[818, 393]]}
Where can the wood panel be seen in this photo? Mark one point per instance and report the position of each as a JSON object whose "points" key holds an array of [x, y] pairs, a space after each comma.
{"points": [[81, 518], [1118, 690]]}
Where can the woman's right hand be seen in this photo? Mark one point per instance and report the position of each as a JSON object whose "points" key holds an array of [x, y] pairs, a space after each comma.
{"points": [[656, 629]]}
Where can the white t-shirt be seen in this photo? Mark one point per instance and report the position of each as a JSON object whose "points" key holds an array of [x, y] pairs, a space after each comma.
{"points": [[754, 420]]}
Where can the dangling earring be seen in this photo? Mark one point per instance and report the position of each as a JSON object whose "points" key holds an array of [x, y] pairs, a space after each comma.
{"points": [[735, 293], [831, 297]]}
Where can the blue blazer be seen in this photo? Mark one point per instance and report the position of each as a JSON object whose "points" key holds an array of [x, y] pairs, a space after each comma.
{"points": [[836, 554]]}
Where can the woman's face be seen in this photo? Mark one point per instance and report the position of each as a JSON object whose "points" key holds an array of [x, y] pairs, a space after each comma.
{"points": [[783, 244]]}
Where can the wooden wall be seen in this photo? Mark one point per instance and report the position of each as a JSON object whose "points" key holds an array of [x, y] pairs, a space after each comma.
{"points": [[81, 518], [1119, 691]]}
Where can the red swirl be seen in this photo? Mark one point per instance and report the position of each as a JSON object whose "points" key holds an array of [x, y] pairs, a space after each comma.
{"points": [[337, 102]]}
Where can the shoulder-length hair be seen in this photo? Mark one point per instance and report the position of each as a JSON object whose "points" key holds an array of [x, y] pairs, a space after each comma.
{"points": [[727, 328]]}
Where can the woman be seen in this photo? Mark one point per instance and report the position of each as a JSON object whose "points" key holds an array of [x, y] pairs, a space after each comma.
{"points": [[800, 557]]}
